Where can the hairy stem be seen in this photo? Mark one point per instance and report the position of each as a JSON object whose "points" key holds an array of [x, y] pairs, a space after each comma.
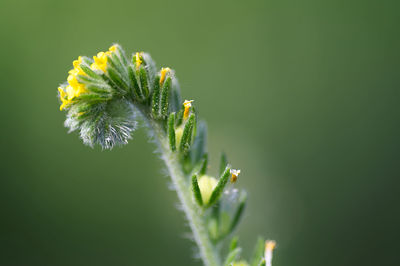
{"points": [[193, 213]]}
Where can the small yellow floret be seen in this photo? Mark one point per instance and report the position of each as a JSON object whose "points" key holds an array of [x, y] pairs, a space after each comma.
{"points": [[206, 186], [234, 175], [76, 63], [138, 60], [77, 70], [112, 48], [163, 73], [100, 62], [62, 98], [187, 104]]}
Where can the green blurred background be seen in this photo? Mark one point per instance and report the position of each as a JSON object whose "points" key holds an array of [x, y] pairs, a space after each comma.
{"points": [[302, 95]]}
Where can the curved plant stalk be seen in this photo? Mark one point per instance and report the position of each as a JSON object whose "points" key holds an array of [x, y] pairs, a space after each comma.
{"points": [[192, 211], [104, 95]]}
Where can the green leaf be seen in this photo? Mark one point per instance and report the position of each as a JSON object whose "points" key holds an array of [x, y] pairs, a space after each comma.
{"points": [[176, 100], [90, 72], [165, 97], [171, 132], [122, 55], [196, 190], [136, 89], [144, 82], [179, 118], [258, 252], [187, 132], [150, 67], [220, 186], [234, 243], [116, 78], [232, 257], [204, 164], [199, 147], [156, 98]]}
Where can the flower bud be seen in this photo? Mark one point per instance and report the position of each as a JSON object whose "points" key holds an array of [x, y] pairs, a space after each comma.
{"points": [[207, 185]]}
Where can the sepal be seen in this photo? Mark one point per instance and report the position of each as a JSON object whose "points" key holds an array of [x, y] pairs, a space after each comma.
{"points": [[171, 132], [258, 252], [196, 190], [186, 138], [223, 180], [199, 147]]}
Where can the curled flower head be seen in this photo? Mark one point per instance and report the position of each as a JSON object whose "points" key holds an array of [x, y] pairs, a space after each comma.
{"points": [[234, 175], [94, 97], [187, 104]]}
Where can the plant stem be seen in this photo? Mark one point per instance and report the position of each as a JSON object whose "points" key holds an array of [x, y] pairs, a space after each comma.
{"points": [[193, 212]]}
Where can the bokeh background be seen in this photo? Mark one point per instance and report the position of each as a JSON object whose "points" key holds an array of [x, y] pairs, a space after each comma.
{"points": [[302, 95]]}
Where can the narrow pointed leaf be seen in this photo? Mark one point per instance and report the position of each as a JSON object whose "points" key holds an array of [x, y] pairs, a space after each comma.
{"points": [[258, 252], [187, 132], [220, 186], [144, 82], [179, 118], [176, 101], [234, 243], [165, 97], [90, 72], [156, 98], [196, 190], [204, 164], [199, 147], [171, 131], [231, 257], [136, 90]]}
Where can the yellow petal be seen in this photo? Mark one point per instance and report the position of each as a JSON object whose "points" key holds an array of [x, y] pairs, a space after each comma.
{"points": [[163, 73]]}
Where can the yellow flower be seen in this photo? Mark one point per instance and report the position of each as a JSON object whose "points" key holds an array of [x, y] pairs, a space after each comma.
{"points": [[64, 101], [187, 104], [207, 185], [112, 48], [163, 73], [138, 60], [74, 88], [77, 69], [100, 61], [234, 175]]}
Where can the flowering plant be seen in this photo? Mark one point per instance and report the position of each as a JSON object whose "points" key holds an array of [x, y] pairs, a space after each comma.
{"points": [[105, 96]]}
